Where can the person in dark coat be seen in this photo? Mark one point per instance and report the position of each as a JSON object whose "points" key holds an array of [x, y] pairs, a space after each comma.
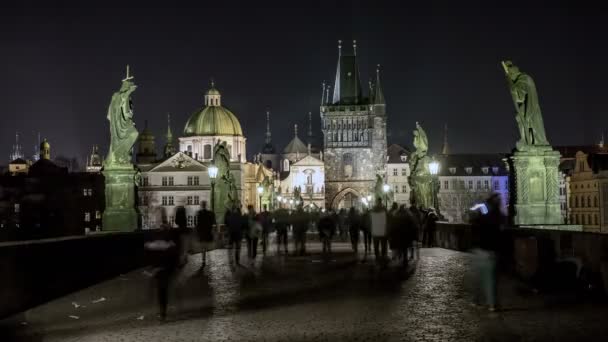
{"points": [[300, 228], [282, 226], [327, 229], [366, 229], [165, 253], [204, 228], [265, 220], [430, 227], [234, 222], [354, 225]]}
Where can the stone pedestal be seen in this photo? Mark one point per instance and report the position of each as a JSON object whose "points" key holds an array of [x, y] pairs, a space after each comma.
{"points": [[120, 213], [536, 200]]}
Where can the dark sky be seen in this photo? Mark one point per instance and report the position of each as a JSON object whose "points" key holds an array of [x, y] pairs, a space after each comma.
{"points": [[60, 65]]}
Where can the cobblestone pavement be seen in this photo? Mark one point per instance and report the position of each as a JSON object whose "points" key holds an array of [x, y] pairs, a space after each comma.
{"points": [[306, 298]]}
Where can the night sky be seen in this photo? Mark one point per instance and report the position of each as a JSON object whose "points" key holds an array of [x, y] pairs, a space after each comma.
{"points": [[440, 64]]}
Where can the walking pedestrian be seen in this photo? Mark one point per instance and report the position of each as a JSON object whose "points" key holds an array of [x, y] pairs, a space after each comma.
{"points": [[379, 231], [282, 227], [253, 233], [430, 226], [266, 222], [204, 226], [166, 258], [300, 228], [327, 228], [354, 225], [234, 221], [366, 230]]}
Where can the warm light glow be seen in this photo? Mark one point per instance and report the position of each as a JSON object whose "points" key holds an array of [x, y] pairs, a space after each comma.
{"points": [[386, 187], [212, 171], [280, 198], [260, 189], [434, 167]]}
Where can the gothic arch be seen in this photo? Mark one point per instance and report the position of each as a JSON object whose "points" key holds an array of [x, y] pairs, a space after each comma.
{"points": [[340, 196]]}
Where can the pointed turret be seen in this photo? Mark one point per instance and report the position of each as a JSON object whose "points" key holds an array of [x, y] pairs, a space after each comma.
{"points": [[17, 152], [445, 149], [169, 149], [378, 94], [347, 86], [268, 147]]}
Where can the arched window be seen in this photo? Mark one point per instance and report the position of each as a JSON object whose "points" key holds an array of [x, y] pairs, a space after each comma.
{"points": [[207, 151], [575, 201], [595, 204], [597, 221], [589, 201], [286, 165]]}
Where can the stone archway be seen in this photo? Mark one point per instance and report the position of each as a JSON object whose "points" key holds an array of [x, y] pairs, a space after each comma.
{"points": [[346, 198]]}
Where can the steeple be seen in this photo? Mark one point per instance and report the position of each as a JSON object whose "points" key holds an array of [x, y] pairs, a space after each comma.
{"points": [[17, 152], [378, 94], [309, 127], [445, 149], [268, 134], [347, 87], [36, 155], [169, 149], [295, 130], [323, 94]]}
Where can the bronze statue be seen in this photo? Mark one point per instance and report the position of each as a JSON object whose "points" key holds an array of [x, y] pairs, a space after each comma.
{"points": [[527, 109]]}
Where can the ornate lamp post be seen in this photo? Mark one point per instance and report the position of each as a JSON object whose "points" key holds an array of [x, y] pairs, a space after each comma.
{"points": [[260, 192], [434, 170], [212, 170], [385, 189]]}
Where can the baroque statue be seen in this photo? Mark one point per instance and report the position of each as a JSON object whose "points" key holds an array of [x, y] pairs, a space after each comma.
{"points": [[123, 133], [527, 109], [420, 178], [226, 195]]}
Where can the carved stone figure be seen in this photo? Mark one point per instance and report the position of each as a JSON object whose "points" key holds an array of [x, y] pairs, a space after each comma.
{"points": [[420, 178], [527, 108]]}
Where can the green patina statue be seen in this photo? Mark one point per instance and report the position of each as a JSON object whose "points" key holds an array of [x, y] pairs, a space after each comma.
{"points": [[226, 194], [120, 175], [420, 178], [528, 114], [123, 133]]}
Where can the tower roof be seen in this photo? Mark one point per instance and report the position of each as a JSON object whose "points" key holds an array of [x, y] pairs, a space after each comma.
{"points": [[213, 119], [347, 86], [268, 146], [378, 94], [296, 145]]}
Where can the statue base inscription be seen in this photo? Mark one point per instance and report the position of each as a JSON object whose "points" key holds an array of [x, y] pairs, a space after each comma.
{"points": [[120, 214], [536, 176]]}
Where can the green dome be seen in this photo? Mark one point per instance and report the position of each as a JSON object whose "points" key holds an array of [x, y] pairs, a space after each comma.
{"points": [[213, 120]]}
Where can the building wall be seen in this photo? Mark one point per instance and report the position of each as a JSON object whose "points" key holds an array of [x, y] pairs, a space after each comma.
{"points": [[397, 177], [585, 195], [196, 145], [312, 189]]}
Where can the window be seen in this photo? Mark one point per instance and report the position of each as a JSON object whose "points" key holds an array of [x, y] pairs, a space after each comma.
{"points": [[394, 172], [446, 184], [207, 151], [485, 170], [589, 201], [468, 170], [486, 185], [470, 185], [190, 221], [495, 170], [396, 188], [478, 184], [164, 200], [575, 201], [87, 217], [171, 200], [285, 165], [97, 214], [146, 181], [87, 192], [190, 180], [595, 204], [164, 181], [196, 200], [189, 200], [404, 188], [403, 171], [171, 221], [170, 180], [17, 208], [453, 170], [196, 180], [496, 185], [597, 221]]}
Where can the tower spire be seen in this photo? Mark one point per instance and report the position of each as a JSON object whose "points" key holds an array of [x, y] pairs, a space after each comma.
{"points": [[295, 130], [17, 152], [445, 149], [339, 47], [309, 126], [268, 134], [323, 94], [169, 148], [169, 133], [378, 94], [354, 47]]}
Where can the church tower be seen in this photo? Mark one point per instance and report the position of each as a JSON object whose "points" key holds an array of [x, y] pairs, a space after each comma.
{"points": [[169, 149], [146, 152], [354, 134]]}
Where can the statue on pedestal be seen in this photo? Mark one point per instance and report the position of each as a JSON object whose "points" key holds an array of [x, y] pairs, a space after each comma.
{"points": [[226, 194], [420, 178], [534, 163], [527, 109], [120, 174]]}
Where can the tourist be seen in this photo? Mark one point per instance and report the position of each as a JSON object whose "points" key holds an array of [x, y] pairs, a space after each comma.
{"points": [[234, 222], [488, 224], [299, 221], [391, 222], [253, 232], [266, 222], [282, 227], [165, 254], [379, 231], [327, 228], [430, 226], [366, 230], [354, 225], [204, 228]]}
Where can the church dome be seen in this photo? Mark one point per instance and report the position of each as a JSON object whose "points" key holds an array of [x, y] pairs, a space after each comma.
{"points": [[213, 119]]}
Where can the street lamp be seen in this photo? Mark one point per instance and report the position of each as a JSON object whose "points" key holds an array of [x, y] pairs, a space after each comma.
{"points": [[280, 199], [260, 192], [212, 176], [434, 170], [386, 188]]}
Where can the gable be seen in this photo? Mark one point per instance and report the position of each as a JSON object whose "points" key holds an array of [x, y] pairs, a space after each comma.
{"points": [[308, 160], [179, 162]]}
